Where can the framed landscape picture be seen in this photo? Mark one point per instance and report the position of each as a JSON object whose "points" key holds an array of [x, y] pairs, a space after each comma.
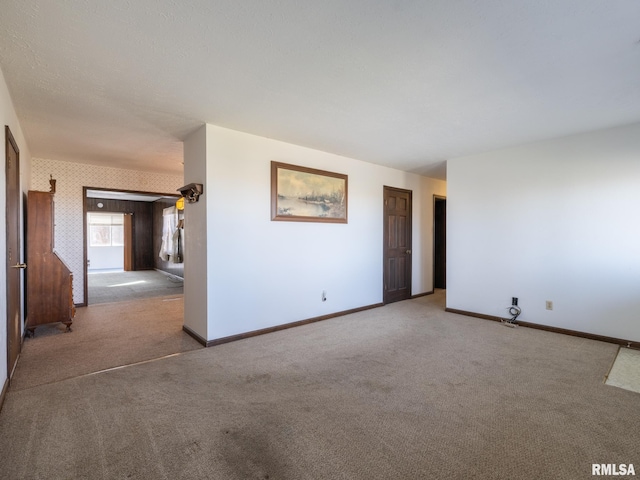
{"points": [[301, 194]]}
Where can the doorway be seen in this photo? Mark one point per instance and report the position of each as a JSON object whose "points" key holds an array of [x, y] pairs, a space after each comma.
{"points": [[123, 233], [106, 242], [13, 251], [397, 244], [439, 242]]}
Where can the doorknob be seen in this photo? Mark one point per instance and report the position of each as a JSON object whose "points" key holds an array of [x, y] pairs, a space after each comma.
{"points": [[19, 265], [408, 252]]}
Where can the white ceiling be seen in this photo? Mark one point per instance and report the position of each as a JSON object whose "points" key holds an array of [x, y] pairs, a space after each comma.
{"points": [[404, 83]]}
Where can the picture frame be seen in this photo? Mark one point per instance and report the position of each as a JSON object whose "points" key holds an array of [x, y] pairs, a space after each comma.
{"points": [[302, 194]]}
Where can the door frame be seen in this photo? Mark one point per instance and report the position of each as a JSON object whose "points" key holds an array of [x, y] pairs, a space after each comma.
{"points": [[438, 198], [127, 247], [85, 210], [385, 241], [11, 333]]}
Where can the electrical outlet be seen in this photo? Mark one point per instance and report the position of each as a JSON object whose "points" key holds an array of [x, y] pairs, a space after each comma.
{"points": [[514, 301], [549, 305], [324, 295]]}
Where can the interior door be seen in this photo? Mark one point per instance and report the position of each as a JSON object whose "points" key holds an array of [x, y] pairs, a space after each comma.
{"points": [[13, 265], [397, 244], [439, 242]]}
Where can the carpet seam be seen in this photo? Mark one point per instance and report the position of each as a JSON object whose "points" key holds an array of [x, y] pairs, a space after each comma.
{"points": [[119, 367]]}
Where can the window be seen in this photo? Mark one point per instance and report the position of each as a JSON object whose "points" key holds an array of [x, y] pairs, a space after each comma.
{"points": [[106, 229]]}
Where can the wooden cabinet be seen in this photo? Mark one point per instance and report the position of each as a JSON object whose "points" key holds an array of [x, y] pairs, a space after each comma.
{"points": [[49, 281]]}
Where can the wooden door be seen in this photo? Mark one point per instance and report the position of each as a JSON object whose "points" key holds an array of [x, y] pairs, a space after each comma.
{"points": [[397, 244], [128, 242], [439, 242], [13, 266]]}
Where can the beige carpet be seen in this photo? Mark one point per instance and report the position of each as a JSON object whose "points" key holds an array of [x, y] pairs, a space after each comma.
{"points": [[406, 391], [103, 336]]}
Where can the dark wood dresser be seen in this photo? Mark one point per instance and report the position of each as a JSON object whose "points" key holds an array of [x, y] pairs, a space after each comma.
{"points": [[49, 281]]}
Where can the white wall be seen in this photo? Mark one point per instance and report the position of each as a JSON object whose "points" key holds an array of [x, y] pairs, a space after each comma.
{"points": [[8, 117], [556, 220], [103, 258], [196, 234], [70, 179], [263, 273]]}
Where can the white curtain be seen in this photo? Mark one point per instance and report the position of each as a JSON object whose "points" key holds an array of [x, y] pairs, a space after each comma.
{"points": [[169, 227]]}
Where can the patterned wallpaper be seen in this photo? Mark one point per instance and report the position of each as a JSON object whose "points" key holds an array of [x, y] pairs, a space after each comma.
{"points": [[70, 178]]}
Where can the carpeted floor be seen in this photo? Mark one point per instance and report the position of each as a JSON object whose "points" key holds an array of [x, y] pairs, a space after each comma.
{"points": [[104, 336], [109, 287], [405, 391]]}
